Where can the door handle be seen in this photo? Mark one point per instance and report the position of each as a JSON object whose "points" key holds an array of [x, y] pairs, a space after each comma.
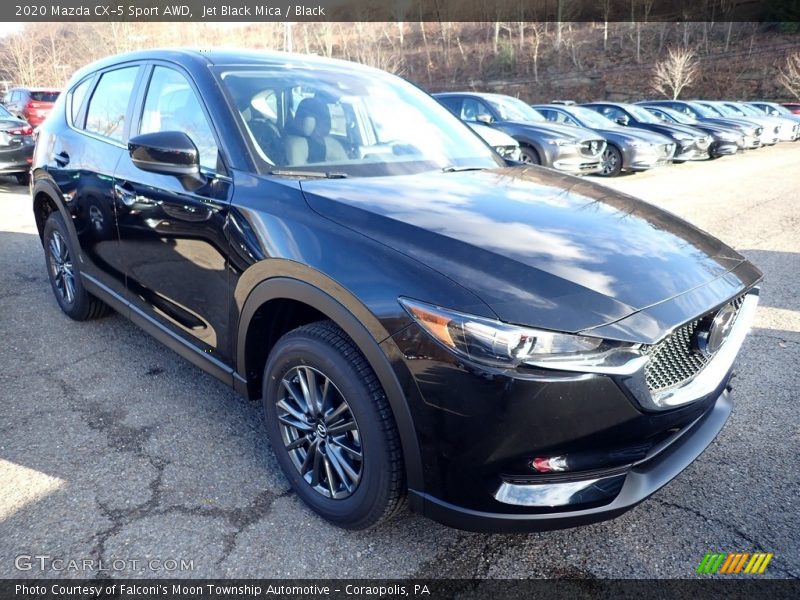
{"points": [[124, 194], [62, 159]]}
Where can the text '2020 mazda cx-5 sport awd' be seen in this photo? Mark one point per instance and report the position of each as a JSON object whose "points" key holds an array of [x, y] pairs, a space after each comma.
{"points": [[509, 347]]}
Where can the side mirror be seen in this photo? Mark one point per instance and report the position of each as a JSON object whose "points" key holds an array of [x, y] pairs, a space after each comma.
{"points": [[165, 152], [484, 118], [623, 120]]}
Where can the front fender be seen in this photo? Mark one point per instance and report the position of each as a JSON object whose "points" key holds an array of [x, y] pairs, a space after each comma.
{"points": [[360, 325]]}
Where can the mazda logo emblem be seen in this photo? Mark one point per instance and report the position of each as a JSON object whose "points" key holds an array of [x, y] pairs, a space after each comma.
{"points": [[708, 341]]}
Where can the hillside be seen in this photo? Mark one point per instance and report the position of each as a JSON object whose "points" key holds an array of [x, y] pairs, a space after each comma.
{"points": [[536, 61]]}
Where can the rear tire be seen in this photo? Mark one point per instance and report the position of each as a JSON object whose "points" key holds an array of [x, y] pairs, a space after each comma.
{"points": [[64, 274], [331, 427]]}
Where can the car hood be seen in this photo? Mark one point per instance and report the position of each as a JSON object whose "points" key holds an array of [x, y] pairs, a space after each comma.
{"points": [[538, 247], [673, 128], [493, 137], [548, 128], [629, 134]]}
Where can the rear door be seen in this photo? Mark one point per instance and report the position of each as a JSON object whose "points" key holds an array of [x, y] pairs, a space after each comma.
{"points": [[172, 229], [82, 161]]}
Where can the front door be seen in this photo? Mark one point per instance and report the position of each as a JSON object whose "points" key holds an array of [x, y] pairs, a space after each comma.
{"points": [[171, 228]]}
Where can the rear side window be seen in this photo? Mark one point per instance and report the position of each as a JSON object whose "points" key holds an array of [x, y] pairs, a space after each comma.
{"points": [[40, 96], [452, 104], [109, 104], [76, 99], [171, 105]]}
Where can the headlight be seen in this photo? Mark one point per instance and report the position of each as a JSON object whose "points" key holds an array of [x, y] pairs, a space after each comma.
{"points": [[561, 142], [509, 152], [682, 137], [499, 344]]}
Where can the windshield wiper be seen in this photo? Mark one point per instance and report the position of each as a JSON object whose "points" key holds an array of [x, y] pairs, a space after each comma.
{"points": [[452, 169], [309, 174]]}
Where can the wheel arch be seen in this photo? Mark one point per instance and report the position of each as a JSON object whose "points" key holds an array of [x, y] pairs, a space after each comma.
{"points": [[311, 303]]}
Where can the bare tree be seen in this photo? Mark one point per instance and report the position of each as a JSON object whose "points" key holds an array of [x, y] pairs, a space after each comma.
{"points": [[679, 70], [789, 76]]}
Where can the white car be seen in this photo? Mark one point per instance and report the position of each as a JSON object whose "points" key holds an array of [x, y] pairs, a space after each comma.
{"points": [[502, 143]]}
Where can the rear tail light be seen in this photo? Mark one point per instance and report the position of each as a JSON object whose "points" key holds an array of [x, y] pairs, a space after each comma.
{"points": [[32, 104], [27, 130]]}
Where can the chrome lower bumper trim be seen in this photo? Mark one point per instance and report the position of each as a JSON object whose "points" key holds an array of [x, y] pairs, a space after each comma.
{"points": [[568, 493]]}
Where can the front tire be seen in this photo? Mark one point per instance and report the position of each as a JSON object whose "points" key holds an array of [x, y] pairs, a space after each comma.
{"points": [[611, 162], [331, 427], [64, 275], [529, 156]]}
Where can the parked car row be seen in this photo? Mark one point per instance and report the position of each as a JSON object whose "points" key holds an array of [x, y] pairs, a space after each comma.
{"points": [[607, 138], [21, 111]]}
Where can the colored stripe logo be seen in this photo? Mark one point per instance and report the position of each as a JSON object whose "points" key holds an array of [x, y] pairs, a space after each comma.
{"points": [[734, 562]]}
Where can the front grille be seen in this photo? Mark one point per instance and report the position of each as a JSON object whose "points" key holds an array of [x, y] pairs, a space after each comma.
{"points": [[592, 147], [674, 359]]}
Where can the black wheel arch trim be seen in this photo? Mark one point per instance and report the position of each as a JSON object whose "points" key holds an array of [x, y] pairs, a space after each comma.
{"points": [[287, 288]]}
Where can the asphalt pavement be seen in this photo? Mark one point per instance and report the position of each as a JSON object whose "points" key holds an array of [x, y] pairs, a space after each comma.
{"points": [[114, 449]]}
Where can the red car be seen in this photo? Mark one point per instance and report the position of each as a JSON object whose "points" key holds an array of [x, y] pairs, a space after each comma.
{"points": [[31, 104], [793, 106]]}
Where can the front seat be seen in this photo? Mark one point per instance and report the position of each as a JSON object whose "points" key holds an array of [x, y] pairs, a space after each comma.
{"points": [[309, 139]]}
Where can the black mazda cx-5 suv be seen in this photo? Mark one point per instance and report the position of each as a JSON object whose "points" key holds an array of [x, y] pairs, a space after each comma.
{"points": [[509, 347]]}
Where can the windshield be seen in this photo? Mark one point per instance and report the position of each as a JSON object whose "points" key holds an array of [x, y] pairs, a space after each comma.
{"points": [[749, 110], [590, 118], [726, 111], [514, 109], [641, 114], [704, 110], [44, 96], [333, 121], [678, 116], [782, 110]]}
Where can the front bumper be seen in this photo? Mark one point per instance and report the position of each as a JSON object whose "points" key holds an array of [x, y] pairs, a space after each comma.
{"points": [[642, 158], [693, 150], [16, 159], [618, 492], [575, 160], [724, 148], [480, 429]]}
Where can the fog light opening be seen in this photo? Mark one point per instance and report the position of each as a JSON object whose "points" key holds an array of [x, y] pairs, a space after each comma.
{"points": [[552, 464]]}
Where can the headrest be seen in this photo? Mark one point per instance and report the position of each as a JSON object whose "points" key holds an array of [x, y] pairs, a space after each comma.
{"points": [[312, 118]]}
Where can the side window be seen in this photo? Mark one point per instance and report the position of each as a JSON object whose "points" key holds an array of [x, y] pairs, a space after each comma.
{"points": [[172, 105], [76, 99], [559, 117], [451, 104], [612, 112], [474, 109], [109, 104]]}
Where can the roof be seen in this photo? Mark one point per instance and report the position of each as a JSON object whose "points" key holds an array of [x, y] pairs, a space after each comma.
{"points": [[227, 57]]}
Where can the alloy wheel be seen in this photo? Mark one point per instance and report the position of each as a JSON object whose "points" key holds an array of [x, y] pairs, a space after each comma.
{"points": [[61, 268], [320, 433], [609, 161]]}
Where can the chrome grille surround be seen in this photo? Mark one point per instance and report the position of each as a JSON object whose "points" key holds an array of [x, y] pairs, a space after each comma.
{"points": [[674, 360], [675, 374]]}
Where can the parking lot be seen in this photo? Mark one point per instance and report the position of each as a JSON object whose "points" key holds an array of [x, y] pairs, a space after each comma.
{"points": [[113, 447]]}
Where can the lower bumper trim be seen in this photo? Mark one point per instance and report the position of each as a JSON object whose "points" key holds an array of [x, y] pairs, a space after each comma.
{"points": [[642, 480]]}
